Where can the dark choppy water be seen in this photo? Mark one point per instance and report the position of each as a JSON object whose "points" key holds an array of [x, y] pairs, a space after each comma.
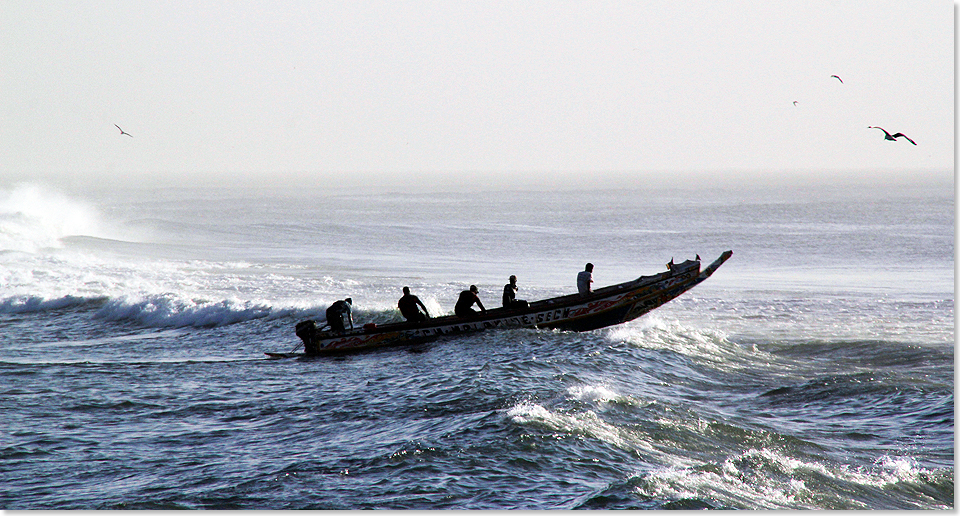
{"points": [[814, 370]]}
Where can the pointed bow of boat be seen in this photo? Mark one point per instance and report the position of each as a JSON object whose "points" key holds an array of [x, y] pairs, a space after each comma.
{"points": [[705, 273]]}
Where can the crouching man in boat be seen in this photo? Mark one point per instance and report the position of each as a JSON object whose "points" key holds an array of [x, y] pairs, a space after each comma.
{"points": [[510, 295], [340, 314], [466, 301], [410, 306]]}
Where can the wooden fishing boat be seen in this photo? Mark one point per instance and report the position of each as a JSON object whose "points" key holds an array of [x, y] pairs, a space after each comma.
{"points": [[603, 307]]}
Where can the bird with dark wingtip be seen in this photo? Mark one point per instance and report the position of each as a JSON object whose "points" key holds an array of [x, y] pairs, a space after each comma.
{"points": [[892, 137], [838, 78], [122, 132]]}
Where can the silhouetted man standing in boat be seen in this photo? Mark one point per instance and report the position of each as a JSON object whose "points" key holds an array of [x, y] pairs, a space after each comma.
{"points": [[510, 295], [410, 305], [340, 314], [584, 279], [466, 301]]}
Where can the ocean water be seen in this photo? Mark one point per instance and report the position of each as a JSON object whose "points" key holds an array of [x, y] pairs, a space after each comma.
{"points": [[814, 370]]}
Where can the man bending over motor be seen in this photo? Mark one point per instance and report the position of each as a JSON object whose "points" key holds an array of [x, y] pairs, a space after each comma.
{"points": [[340, 314]]}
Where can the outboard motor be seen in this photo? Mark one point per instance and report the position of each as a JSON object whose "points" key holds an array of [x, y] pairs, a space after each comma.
{"points": [[307, 330]]}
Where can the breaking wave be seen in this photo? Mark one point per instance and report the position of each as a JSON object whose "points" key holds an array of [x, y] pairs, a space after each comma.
{"points": [[161, 310], [33, 218], [169, 310], [172, 310], [765, 477], [29, 304]]}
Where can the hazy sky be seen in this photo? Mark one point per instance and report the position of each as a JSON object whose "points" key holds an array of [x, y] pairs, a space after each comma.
{"points": [[396, 88]]}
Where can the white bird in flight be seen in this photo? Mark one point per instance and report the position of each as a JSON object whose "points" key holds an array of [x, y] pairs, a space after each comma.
{"points": [[892, 137], [122, 132]]}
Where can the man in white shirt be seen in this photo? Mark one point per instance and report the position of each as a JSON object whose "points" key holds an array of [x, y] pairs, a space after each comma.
{"points": [[584, 279]]}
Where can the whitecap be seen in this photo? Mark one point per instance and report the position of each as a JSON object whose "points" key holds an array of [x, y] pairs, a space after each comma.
{"points": [[596, 393]]}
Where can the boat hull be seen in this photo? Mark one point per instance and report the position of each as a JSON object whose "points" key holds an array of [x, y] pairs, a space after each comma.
{"points": [[604, 307]]}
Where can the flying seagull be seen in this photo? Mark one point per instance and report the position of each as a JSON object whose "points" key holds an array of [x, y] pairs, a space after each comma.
{"points": [[122, 132], [892, 137], [795, 102], [838, 78]]}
